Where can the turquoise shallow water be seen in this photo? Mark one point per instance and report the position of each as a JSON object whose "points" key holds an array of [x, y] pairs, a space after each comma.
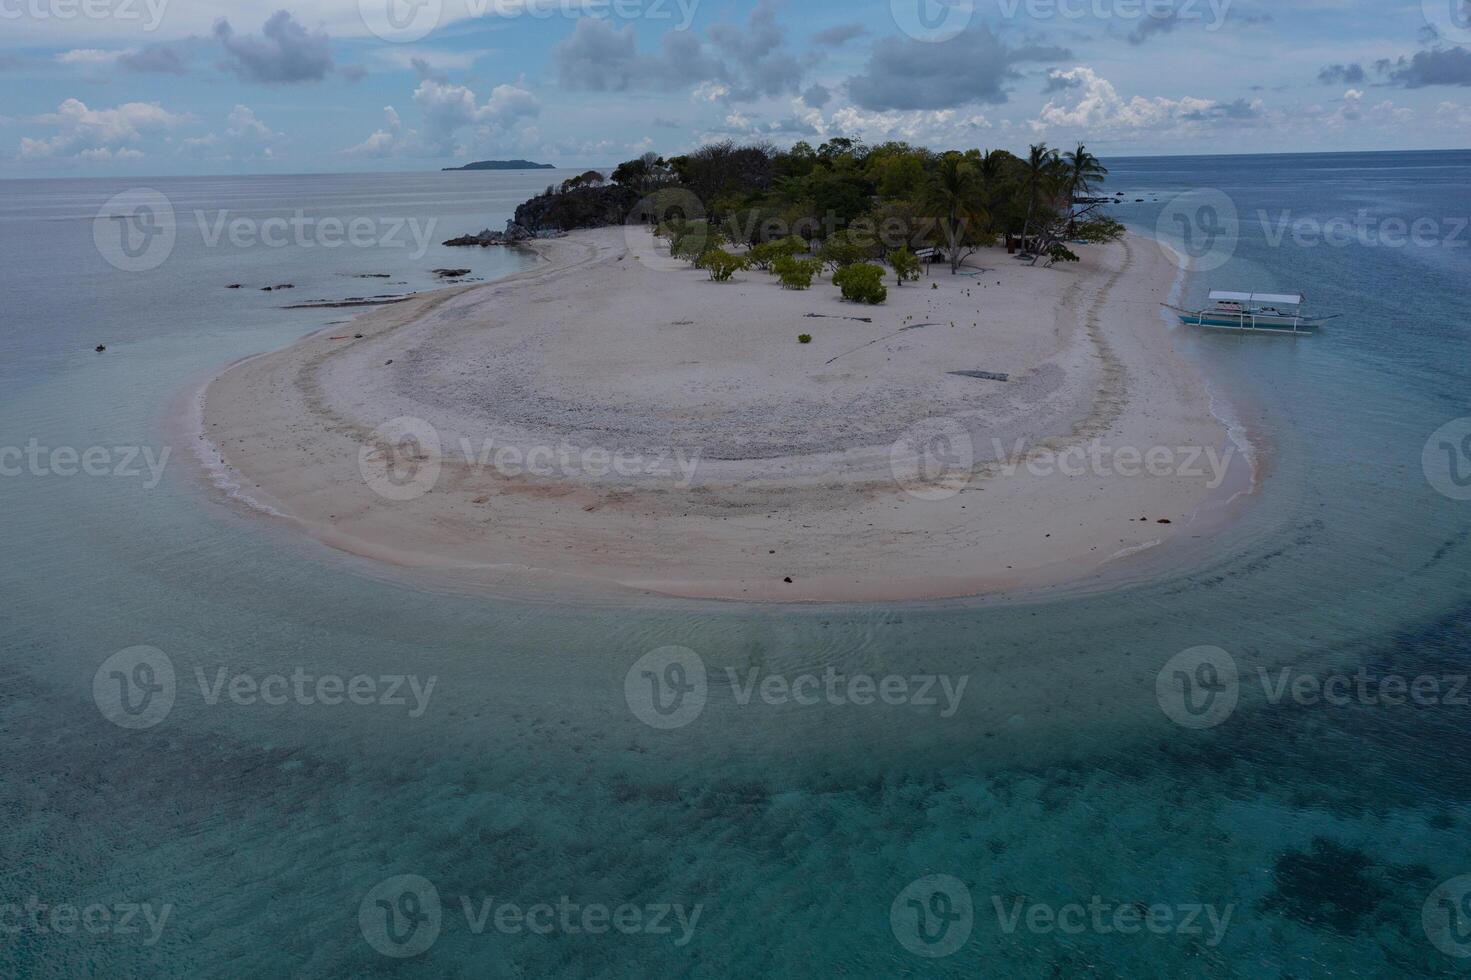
{"points": [[1315, 833]]}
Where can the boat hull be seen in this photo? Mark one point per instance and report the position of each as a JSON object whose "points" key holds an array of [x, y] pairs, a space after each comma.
{"points": [[1249, 324]]}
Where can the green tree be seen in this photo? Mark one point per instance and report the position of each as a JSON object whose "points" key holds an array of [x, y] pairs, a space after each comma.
{"points": [[1083, 172], [1040, 178], [954, 196]]}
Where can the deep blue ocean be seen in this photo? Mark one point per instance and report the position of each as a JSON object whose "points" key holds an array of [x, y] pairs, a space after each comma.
{"points": [[1255, 765]]}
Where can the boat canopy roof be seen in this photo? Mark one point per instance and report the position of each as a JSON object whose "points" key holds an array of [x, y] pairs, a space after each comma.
{"points": [[1273, 299]]}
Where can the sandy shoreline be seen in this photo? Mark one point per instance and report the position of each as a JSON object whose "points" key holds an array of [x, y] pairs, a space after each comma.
{"points": [[612, 419]]}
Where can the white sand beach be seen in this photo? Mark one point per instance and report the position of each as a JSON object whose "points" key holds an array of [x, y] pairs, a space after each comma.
{"points": [[614, 417]]}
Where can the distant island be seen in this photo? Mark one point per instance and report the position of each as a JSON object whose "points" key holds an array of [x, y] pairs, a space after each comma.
{"points": [[504, 165]]}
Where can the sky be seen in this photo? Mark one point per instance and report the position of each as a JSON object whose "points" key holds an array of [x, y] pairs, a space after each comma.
{"points": [[169, 87]]}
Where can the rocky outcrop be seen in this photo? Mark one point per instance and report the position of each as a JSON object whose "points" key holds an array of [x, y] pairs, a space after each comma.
{"points": [[556, 212], [580, 207], [514, 233]]}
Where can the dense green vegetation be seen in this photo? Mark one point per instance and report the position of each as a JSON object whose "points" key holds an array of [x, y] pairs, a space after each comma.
{"points": [[850, 203], [842, 206]]}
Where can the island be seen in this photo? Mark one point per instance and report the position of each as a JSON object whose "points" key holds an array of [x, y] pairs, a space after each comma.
{"points": [[857, 375], [503, 165]]}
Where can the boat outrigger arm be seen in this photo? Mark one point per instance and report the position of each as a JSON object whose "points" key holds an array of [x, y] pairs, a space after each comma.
{"points": [[1267, 312]]}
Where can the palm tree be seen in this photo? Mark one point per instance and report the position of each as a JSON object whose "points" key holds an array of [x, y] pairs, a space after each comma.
{"points": [[1039, 175], [993, 163], [955, 197], [1084, 172]]}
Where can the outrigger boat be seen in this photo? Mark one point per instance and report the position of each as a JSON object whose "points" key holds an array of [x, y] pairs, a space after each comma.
{"points": [[1247, 312]]}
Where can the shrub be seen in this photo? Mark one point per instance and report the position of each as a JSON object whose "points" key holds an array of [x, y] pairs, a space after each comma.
{"points": [[1099, 230], [1058, 252], [766, 253], [722, 264], [861, 283], [804, 338], [690, 239], [846, 248], [795, 273], [906, 265]]}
